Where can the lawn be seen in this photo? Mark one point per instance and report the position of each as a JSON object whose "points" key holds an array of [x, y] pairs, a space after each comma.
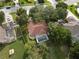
{"points": [[73, 9], [18, 46], [25, 2], [32, 2], [2, 4], [14, 15]]}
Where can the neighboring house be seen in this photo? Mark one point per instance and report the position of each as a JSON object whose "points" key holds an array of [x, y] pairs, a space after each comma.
{"points": [[8, 30], [37, 30], [10, 34]]}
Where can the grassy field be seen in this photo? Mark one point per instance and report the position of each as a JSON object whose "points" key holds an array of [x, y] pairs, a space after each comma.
{"points": [[14, 15], [18, 46], [2, 4]]}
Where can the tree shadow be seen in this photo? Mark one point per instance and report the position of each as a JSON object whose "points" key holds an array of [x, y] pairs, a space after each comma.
{"points": [[2, 46]]}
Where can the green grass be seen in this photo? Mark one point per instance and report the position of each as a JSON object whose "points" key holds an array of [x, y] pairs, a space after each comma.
{"points": [[18, 46], [47, 3], [9, 4], [25, 2], [14, 15], [72, 8], [2, 4]]}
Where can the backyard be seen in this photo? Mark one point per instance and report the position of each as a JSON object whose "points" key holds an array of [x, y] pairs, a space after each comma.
{"points": [[18, 46]]}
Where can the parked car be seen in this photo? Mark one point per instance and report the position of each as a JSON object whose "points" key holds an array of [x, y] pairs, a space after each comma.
{"points": [[8, 7]]}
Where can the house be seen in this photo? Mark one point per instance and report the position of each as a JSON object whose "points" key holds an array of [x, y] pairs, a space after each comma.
{"points": [[7, 30], [9, 34], [37, 30]]}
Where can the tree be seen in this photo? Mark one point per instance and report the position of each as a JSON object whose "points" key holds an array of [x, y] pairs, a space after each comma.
{"points": [[36, 13], [2, 17], [59, 35], [62, 4], [22, 20], [45, 13], [49, 14], [21, 11], [62, 13], [22, 17], [74, 51]]}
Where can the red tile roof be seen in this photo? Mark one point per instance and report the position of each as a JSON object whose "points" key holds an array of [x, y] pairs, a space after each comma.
{"points": [[37, 28]]}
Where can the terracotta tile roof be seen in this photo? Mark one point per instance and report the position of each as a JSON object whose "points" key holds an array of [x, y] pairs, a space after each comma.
{"points": [[37, 28]]}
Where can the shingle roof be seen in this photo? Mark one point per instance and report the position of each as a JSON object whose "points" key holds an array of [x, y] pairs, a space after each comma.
{"points": [[37, 28]]}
